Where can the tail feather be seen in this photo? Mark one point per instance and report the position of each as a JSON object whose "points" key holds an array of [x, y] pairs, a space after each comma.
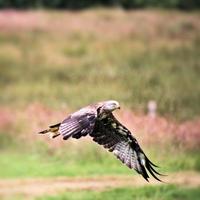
{"points": [[44, 131], [55, 125], [53, 131]]}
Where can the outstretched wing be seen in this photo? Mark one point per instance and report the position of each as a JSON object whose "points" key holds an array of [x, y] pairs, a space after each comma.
{"points": [[117, 139], [79, 123]]}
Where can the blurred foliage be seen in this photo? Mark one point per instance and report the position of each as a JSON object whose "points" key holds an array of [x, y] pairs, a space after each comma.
{"points": [[66, 71], [65, 68], [128, 4], [153, 57]]}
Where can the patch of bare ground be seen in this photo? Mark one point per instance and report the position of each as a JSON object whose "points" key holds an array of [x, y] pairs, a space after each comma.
{"points": [[38, 186]]}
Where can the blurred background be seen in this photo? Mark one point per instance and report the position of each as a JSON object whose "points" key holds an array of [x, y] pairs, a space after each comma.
{"points": [[58, 56]]}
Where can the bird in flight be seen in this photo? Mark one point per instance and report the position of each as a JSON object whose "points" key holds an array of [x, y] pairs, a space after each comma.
{"points": [[97, 121]]}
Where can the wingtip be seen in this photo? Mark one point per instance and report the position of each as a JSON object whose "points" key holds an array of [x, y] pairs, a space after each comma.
{"points": [[146, 179], [152, 171], [151, 162], [158, 173]]}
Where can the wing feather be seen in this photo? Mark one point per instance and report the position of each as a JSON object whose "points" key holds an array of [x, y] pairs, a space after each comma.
{"points": [[78, 124], [118, 139], [128, 157]]}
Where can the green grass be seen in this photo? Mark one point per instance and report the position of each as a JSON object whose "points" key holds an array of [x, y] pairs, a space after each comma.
{"points": [[69, 160], [167, 192], [23, 166]]}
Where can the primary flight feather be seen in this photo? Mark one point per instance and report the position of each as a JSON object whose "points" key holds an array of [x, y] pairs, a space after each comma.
{"points": [[98, 121]]}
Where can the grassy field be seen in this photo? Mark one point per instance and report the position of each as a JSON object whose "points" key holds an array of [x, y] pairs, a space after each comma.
{"points": [[53, 59], [52, 63], [92, 161], [144, 193], [167, 192]]}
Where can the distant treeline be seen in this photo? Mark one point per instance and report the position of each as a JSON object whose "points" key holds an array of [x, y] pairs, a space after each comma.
{"points": [[80, 4]]}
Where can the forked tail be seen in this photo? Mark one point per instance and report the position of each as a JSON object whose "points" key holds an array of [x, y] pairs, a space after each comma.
{"points": [[52, 131]]}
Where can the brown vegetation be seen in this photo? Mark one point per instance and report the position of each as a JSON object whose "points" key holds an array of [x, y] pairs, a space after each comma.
{"points": [[123, 23], [158, 130]]}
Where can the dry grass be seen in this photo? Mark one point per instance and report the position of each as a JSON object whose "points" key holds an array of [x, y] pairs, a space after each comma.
{"points": [[117, 23]]}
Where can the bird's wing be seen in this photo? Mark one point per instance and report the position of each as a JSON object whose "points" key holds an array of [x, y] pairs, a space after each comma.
{"points": [[78, 124], [117, 139]]}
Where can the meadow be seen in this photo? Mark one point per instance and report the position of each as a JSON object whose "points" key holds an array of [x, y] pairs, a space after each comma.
{"points": [[52, 63], [154, 193], [70, 59]]}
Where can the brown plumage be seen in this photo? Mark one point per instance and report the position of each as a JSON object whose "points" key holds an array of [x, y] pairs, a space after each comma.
{"points": [[98, 121]]}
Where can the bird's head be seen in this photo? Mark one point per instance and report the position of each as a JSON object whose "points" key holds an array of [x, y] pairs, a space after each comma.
{"points": [[109, 106]]}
